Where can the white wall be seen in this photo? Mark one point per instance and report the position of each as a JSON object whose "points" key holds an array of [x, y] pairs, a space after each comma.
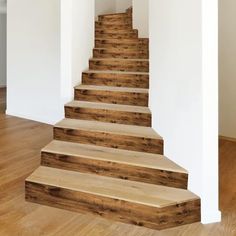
{"points": [[49, 44], [141, 17], [227, 67], [178, 98], [111, 6], [77, 42], [3, 22], [33, 70], [105, 7], [123, 5]]}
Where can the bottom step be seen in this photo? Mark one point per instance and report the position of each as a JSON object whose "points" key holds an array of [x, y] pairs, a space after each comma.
{"points": [[141, 204]]}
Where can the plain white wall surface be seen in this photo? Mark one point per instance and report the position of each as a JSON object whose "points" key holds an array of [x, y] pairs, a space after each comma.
{"points": [[77, 42], [105, 7], [123, 5], [33, 70], [3, 45], [3, 6], [141, 17], [178, 98], [49, 45], [227, 67]]}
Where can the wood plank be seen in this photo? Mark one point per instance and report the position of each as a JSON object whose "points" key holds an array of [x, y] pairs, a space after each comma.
{"points": [[112, 113], [136, 166], [116, 34], [116, 79], [120, 53], [134, 138], [142, 204], [142, 42], [100, 26], [133, 65], [114, 95]]}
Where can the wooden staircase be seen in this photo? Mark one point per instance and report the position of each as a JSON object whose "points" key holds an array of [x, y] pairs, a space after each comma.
{"points": [[105, 157]]}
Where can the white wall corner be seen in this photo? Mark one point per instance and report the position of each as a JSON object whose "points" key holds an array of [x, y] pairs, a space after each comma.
{"points": [[210, 161]]}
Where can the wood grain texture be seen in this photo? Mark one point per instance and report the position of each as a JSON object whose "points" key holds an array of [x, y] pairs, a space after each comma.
{"points": [[116, 34], [116, 16], [111, 113], [128, 44], [112, 140], [78, 180], [114, 170], [115, 20], [116, 79], [136, 214], [120, 53], [109, 95], [133, 65], [19, 138], [122, 26], [3, 94]]}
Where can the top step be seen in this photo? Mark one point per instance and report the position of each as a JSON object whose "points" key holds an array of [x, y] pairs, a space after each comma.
{"points": [[114, 15]]}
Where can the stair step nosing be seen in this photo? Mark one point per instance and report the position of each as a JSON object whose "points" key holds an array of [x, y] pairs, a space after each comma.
{"points": [[129, 184], [77, 125], [95, 151], [119, 59], [108, 106], [115, 72], [112, 89]]}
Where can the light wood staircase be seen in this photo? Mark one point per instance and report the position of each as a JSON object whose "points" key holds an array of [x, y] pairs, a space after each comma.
{"points": [[105, 158]]}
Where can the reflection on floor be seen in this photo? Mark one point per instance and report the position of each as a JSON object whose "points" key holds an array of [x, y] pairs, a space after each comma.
{"points": [[2, 100]]}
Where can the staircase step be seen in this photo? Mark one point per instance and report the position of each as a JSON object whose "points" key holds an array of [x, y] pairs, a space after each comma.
{"points": [[153, 206], [116, 79], [114, 16], [100, 26], [120, 53], [117, 163], [115, 20], [128, 137], [116, 34], [133, 65], [114, 95], [128, 44], [112, 113]]}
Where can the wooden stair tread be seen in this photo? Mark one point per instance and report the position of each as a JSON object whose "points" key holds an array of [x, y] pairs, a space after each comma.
{"points": [[114, 14], [118, 59], [111, 88], [120, 129], [108, 106], [122, 40], [116, 72], [131, 191], [140, 159]]}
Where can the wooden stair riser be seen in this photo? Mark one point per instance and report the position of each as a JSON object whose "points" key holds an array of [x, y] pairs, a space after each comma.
{"points": [[116, 79], [120, 65], [125, 54], [113, 27], [115, 170], [114, 17], [111, 208], [141, 43], [114, 97], [105, 139], [110, 116], [116, 21], [115, 34]]}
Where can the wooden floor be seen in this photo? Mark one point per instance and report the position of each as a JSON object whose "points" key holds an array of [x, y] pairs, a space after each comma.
{"points": [[20, 144]]}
